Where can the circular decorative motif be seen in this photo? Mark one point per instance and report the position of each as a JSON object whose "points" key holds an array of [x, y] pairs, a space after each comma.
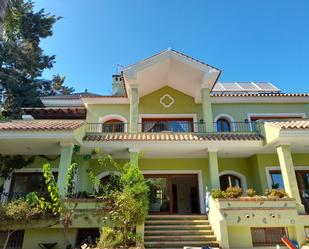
{"points": [[167, 101]]}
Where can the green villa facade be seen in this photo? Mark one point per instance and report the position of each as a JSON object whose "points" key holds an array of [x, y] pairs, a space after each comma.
{"points": [[195, 134]]}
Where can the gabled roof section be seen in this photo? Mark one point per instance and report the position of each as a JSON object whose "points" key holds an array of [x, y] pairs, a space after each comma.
{"points": [[168, 52], [170, 68]]}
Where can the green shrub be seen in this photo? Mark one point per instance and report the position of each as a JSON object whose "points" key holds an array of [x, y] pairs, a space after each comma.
{"points": [[218, 193], [233, 192], [21, 210], [275, 193], [109, 238], [128, 193], [251, 192]]}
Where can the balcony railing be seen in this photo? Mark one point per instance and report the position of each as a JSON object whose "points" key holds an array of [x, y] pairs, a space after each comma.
{"points": [[6, 197], [173, 126]]}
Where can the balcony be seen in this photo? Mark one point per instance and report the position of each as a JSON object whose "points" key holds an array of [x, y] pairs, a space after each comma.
{"points": [[158, 126]]}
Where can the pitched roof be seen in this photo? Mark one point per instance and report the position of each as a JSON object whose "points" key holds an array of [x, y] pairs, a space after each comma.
{"points": [[170, 50], [72, 96], [170, 137], [290, 125], [41, 125]]}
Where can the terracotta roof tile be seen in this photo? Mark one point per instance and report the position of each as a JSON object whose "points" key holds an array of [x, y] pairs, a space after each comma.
{"points": [[291, 124], [170, 137], [41, 125]]}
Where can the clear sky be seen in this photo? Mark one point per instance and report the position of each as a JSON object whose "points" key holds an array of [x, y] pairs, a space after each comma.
{"points": [[249, 40]]}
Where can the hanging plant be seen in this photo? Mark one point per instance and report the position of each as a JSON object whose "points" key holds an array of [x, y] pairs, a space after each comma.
{"points": [[10, 163]]}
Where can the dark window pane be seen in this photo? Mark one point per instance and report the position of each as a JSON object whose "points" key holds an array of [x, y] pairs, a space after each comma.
{"points": [[223, 125], [28, 182], [276, 180], [227, 181]]}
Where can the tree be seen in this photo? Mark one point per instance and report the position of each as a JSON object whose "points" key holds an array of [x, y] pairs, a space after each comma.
{"points": [[22, 60], [56, 87], [3, 5]]}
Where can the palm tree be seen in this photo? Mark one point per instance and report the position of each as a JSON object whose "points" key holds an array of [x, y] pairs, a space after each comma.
{"points": [[3, 5]]}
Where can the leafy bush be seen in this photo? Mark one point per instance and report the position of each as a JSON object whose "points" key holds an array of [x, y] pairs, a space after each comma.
{"points": [[275, 193], [129, 195], [21, 210], [251, 192], [233, 192], [218, 193], [109, 238]]}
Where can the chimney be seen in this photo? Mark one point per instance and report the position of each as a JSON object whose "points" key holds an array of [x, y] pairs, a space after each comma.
{"points": [[117, 85]]}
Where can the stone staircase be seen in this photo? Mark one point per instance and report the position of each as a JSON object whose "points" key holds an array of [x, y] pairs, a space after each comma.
{"points": [[177, 231]]}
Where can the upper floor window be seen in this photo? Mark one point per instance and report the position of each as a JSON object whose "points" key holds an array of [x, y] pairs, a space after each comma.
{"points": [[229, 180], [167, 124], [223, 125], [113, 125]]}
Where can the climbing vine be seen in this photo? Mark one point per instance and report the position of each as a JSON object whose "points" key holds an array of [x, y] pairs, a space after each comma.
{"points": [[10, 163]]}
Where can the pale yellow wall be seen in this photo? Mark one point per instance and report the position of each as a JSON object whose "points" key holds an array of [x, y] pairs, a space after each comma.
{"points": [[239, 237], [94, 112], [33, 237]]}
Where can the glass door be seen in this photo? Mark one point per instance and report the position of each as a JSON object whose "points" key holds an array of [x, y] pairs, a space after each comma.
{"points": [[159, 196], [303, 185]]}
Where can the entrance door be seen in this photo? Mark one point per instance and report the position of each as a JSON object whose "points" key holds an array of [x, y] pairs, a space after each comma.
{"points": [[159, 196], [170, 194]]}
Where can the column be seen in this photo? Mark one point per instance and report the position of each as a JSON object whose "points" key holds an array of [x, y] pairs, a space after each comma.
{"points": [[288, 175], [207, 110], [134, 154], [213, 168], [134, 109], [83, 182], [64, 164]]}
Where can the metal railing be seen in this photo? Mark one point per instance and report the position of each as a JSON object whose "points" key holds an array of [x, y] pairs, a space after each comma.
{"points": [[10, 196], [173, 126], [13, 196]]}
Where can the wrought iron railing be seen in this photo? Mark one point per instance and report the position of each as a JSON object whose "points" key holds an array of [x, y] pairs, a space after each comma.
{"points": [[173, 126], [10, 196]]}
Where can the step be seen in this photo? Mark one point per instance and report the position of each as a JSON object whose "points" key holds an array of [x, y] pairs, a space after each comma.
{"points": [[179, 232], [181, 238], [177, 216], [177, 227], [182, 247], [179, 222], [173, 244]]}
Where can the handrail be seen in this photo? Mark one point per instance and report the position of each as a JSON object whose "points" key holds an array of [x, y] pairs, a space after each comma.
{"points": [[173, 126]]}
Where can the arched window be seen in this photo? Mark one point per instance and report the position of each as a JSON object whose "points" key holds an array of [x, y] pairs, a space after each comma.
{"points": [[113, 125], [229, 180], [223, 125], [109, 182]]}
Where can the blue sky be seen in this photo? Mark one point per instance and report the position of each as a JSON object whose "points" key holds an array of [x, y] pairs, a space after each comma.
{"points": [[249, 40]]}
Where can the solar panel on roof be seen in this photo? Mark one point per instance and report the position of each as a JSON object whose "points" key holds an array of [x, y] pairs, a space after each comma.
{"points": [[218, 87], [268, 87], [248, 86], [245, 87]]}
